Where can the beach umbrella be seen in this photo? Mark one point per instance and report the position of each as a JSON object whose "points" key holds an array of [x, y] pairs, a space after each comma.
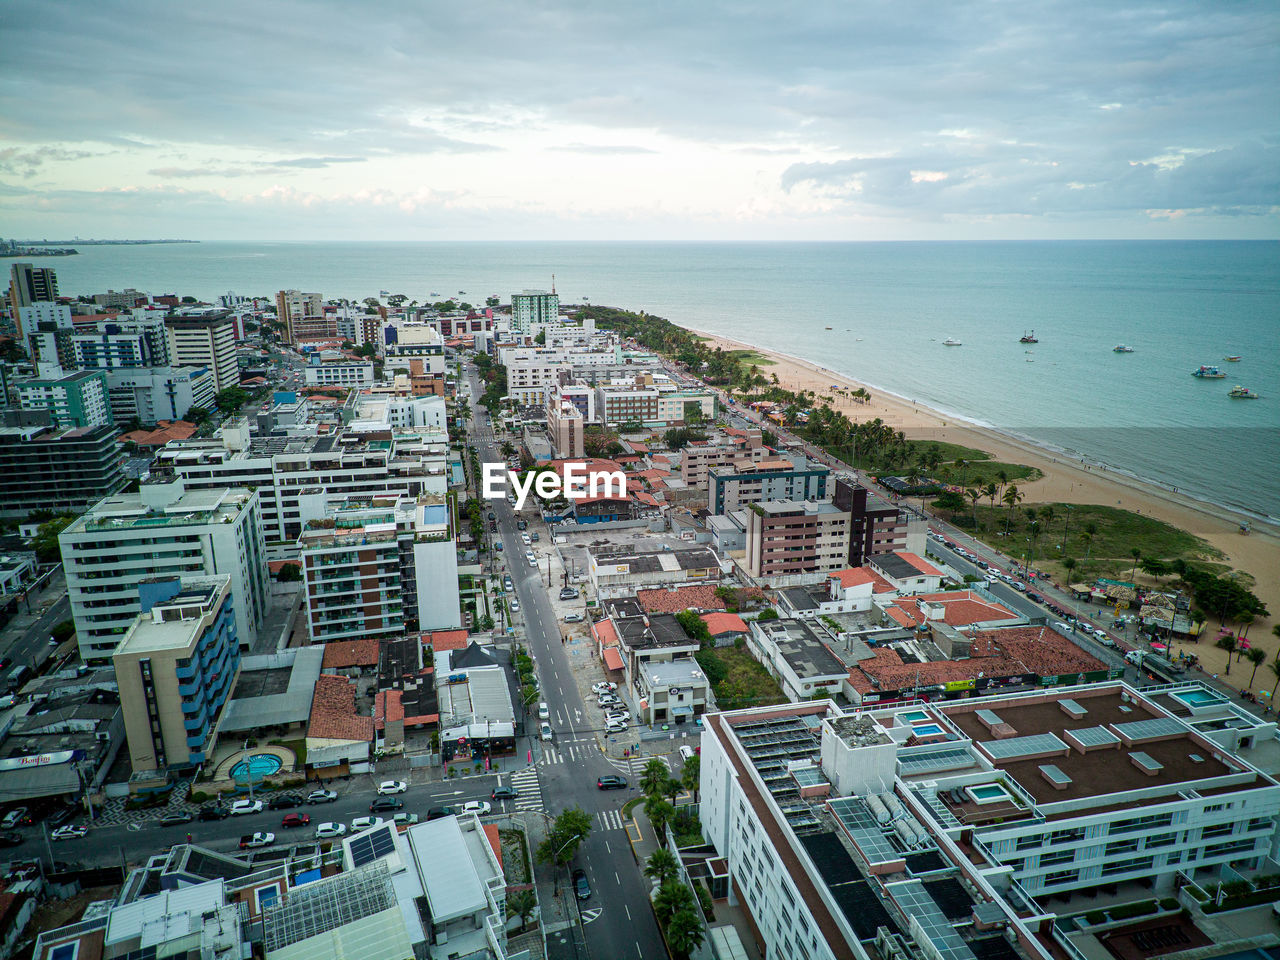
{"points": [[1159, 646]]}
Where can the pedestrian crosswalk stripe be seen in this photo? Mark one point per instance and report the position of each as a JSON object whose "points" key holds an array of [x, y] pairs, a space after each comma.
{"points": [[610, 819]]}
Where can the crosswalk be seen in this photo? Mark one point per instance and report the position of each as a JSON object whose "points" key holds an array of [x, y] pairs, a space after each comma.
{"points": [[609, 819], [561, 753], [530, 786]]}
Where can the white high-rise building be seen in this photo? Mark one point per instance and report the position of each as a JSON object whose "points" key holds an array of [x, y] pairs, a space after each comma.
{"points": [[533, 306], [205, 341], [162, 529]]}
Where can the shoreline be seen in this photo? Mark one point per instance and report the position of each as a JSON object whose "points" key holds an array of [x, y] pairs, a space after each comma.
{"points": [[1065, 479]]}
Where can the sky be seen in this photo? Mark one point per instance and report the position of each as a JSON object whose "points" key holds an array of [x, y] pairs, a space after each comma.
{"points": [[608, 120]]}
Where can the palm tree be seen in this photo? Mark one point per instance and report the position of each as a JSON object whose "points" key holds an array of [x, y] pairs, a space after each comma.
{"points": [[684, 932], [1033, 530], [991, 490], [1274, 667], [1047, 513], [1137, 555], [660, 813], [522, 903], [1069, 564], [691, 776], [974, 495], [1256, 655], [1229, 644], [1010, 499], [654, 778], [1090, 531], [672, 897], [661, 866]]}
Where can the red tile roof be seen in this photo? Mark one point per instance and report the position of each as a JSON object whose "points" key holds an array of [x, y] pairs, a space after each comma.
{"points": [[165, 431], [612, 659], [701, 596], [960, 608], [495, 840], [446, 640], [722, 623], [855, 576], [928, 569], [351, 653], [333, 711], [605, 633]]}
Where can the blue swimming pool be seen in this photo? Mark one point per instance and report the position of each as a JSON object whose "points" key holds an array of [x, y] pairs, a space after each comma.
{"points": [[926, 729], [987, 793], [256, 767], [1197, 698], [914, 716]]}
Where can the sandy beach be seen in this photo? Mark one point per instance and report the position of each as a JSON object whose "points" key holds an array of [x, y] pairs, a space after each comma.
{"points": [[1066, 481]]}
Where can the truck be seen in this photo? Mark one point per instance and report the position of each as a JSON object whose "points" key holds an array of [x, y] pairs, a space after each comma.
{"points": [[250, 840]]}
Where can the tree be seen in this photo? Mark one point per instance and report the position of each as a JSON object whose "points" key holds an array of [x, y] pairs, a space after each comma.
{"points": [[974, 495], [64, 631], [684, 932], [770, 614], [662, 866], [1256, 656], [541, 338], [1010, 499], [660, 813], [1090, 531], [1228, 643], [951, 501], [1274, 667], [690, 777], [46, 539], [672, 897], [695, 628], [289, 573], [521, 904], [654, 778], [1069, 564], [196, 415], [991, 491], [1137, 555], [568, 832], [230, 400]]}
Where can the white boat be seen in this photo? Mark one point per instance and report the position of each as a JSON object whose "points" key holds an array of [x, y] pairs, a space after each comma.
{"points": [[1121, 348], [952, 342]]}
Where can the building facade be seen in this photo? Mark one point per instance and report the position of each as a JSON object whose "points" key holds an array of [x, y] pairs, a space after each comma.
{"points": [[43, 467], [75, 400], [28, 284], [786, 537], [340, 373], [300, 313], [152, 394], [176, 666], [876, 525], [162, 529], [206, 341], [533, 306], [730, 488]]}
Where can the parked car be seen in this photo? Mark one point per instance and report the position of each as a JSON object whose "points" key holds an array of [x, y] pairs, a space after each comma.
{"points": [[615, 726], [388, 787], [10, 838], [14, 818], [568, 593], [515, 605], [504, 793], [573, 618], [435, 813], [295, 820], [328, 831], [213, 811], [175, 819], [544, 711], [71, 831], [611, 783], [257, 840], [321, 796], [525, 538], [383, 804], [366, 823], [244, 807], [603, 686], [64, 814], [481, 807], [581, 888], [544, 731], [405, 819], [283, 801], [618, 716]]}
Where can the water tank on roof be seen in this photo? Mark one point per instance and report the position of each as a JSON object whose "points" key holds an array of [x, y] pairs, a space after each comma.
{"points": [[878, 810], [893, 805], [907, 832]]}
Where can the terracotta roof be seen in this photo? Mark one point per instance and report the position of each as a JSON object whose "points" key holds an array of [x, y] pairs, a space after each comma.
{"points": [[605, 633], [612, 659], [275, 566], [638, 447], [854, 576], [960, 608], [721, 623], [446, 640], [351, 653], [165, 431], [495, 841], [901, 617], [333, 711], [653, 473], [388, 706], [648, 499], [701, 596], [928, 569]]}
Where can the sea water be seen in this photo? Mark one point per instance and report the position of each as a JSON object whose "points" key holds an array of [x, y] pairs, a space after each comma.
{"points": [[890, 306]]}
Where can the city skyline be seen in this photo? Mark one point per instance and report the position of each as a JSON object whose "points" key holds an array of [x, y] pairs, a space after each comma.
{"points": [[498, 121]]}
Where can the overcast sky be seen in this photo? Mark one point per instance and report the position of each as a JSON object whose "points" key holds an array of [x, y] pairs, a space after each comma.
{"points": [[604, 119]]}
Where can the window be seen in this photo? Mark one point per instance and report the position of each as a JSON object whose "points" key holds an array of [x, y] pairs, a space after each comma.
{"points": [[1061, 877], [1142, 823], [1057, 857], [1027, 842], [1217, 830], [267, 896], [1160, 840], [1066, 836], [1122, 846], [1126, 866]]}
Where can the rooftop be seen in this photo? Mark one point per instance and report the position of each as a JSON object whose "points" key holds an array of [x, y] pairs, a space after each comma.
{"points": [[333, 711]]}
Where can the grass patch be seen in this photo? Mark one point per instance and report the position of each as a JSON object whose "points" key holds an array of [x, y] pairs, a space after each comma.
{"points": [[738, 679], [982, 472], [752, 358], [630, 805], [1107, 551]]}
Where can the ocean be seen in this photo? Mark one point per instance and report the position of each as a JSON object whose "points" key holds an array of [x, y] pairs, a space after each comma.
{"points": [[890, 306]]}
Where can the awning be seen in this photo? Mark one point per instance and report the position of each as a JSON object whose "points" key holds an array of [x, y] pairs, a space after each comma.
{"points": [[682, 711], [612, 659]]}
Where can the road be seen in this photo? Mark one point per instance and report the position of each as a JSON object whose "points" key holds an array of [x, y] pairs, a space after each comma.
{"points": [[626, 927], [33, 640]]}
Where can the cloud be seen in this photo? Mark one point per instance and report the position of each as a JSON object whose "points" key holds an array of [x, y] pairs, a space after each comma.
{"points": [[251, 169], [604, 149], [26, 163]]}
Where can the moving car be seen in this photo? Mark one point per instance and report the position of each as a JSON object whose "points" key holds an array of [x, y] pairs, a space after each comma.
{"points": [[387, 787], [581, 888], [243, 807], [435, 813], [383, 804], [327, 831], [366, 823], [283, 801], [481, 807], [405, 819], [15, 817], [321, 796], [611, 783], [295, 820], [544, 711], [71, 831], [175, 819], [257, 840], [504, 793], [10, 838], [213, 812]]}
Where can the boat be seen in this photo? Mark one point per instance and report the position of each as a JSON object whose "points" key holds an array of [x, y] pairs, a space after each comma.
{"points": [[1029, 337], [1232, 359], [1242, 393], [1206, 372], [952, 342], [826, 328], [1121, 348]]}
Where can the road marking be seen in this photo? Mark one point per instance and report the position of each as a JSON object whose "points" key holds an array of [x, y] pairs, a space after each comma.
{"points": [[628, 909], [592, 914]]}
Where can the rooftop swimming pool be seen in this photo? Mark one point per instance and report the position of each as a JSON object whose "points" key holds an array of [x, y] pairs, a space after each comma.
{"points": [[927, 730], [987, 793], [915, 716], [1198, 698]]}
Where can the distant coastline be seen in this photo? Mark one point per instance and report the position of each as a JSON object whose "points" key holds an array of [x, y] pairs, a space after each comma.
{"points": [[38, 244]]}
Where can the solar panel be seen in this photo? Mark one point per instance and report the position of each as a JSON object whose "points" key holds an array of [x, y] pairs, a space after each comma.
{"points": [[1146, 762], [371, 846], [1054, 775], [1093, 736], [1148, 729], [1016, 747], [928, 917], [913, 764], [989, 717]]}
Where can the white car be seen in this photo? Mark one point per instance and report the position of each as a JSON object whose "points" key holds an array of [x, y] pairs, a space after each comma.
{"points": [[608, 700], [241, 807], [482, 807], [328, 831], [70, 832], [365, 823], [604, 686], [388, 787], [544, 731], [404, 819], [533, 561], [618, 716], [615, 727], [321, 796], [526, 539], [515, 605], [573, 618], [258, 840]]}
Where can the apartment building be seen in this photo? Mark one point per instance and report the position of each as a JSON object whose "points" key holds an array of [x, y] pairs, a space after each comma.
{"points": [[531, 307], [163, 529], [876, 525], [417, 339], [732, 486], [618, 405], [786, 537], [43, 315], [152, 394], [125, 299], [531, 371], [43, 467], [295, 476], [75, 400], [340, 373], [684, 406], [698, 458], [28, 285], [303, 316], [801, 663], [205, 341], [564, 427], [176, 666]]}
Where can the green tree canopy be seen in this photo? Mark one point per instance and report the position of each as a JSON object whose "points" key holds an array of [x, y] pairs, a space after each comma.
{"points": [[569, 830]]}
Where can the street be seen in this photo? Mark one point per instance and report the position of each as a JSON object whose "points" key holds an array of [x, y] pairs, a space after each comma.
{"points": [[568, 772]]}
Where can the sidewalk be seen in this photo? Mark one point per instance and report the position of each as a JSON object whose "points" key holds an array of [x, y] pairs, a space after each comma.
{"points": [[37, 604]]}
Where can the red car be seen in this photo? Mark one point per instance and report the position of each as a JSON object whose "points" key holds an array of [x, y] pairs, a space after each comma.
{"points": [[295, 820]]}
